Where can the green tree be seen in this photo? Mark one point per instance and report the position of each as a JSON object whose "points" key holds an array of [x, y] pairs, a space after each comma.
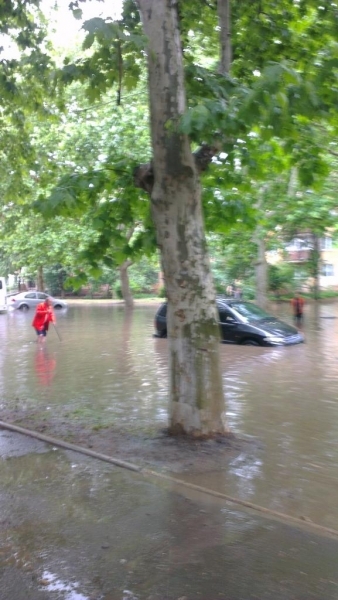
{"points": [[275, 94]]}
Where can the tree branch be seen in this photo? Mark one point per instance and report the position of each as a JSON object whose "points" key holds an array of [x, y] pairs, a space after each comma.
{"points": [[144, 174], [144, 177], [224, 18], [204, 155], [331, 152]]}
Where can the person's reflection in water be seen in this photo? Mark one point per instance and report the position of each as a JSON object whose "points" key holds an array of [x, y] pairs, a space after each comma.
{"points": [[44, 366]]}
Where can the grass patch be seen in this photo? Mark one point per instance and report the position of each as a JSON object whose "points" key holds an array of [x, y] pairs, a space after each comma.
{"points": [[99, 426]]}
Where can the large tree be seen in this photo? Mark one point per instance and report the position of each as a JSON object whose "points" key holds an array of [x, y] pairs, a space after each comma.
{"points": [[196, 390]]}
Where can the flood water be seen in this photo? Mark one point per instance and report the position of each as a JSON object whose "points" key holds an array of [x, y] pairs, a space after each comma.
{"points": [[74, 528], [109, 368]]}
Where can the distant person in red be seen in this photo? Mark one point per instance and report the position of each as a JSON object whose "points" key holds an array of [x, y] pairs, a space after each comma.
{"points": [[297, 304], [43, 316]]}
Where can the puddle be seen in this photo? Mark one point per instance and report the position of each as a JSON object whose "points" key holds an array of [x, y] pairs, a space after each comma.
{"points": [[51, 583], [73, 528]]}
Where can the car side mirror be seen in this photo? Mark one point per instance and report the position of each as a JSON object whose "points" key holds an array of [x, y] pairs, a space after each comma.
{"points": [[227, 319]]}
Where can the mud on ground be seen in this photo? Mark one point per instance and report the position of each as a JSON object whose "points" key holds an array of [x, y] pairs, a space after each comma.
{"points": [[153, 449]]}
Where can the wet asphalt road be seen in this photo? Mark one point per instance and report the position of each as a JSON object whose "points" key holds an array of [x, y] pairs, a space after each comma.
{"points": [[74, 528]]}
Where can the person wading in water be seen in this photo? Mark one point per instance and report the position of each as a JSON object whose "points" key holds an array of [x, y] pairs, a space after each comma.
{"points": [[297, 304], [43, 316]]}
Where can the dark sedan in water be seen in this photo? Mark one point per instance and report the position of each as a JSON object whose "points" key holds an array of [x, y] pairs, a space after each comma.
{"points": [[243, 323]]}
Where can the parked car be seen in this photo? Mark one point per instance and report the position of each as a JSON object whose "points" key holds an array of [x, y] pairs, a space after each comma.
{"points": [[243, 323], [3, 294], [26, 300]]}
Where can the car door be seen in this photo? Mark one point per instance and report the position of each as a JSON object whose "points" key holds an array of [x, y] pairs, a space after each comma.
{"points": [[229, 326], [31, 299], [41, 296]]}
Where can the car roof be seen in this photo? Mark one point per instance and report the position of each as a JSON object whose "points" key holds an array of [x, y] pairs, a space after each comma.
{"points": [[220, 301], [226, 301], [20, 295]]}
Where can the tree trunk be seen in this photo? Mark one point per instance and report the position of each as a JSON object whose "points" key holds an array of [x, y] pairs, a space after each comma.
{"points": [[261, 266], [315, 259], [39, 280], [292, 187], [224, 18], [125, 287], [196, 390], [261, 274]]}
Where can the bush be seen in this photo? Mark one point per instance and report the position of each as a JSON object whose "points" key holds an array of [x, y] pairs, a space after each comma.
{"points": [[118, 292], [328, 294], [55, 278], [281, 277], [162, 292], [249, 293]]}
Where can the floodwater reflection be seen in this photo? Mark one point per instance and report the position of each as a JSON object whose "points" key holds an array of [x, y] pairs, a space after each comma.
{"points": [[44, 365], [110, 368]]}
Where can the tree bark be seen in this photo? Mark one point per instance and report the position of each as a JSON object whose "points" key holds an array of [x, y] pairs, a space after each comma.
{"points": [[195, 388], [40, 280], [125, 287], [261, 265], [224, 18], [261, 274], [315, 259]]}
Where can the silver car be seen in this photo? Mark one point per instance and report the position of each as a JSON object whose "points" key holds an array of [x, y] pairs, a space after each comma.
{"points": [[27, 300]]}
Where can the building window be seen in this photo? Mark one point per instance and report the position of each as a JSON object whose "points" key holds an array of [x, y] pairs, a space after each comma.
{"points": [[327, 270], [326, 243]]}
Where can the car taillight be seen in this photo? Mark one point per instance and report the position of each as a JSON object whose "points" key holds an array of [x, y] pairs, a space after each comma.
{"points": [[13, 299]]}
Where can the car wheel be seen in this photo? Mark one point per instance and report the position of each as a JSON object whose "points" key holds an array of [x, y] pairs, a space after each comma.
{"points": [[24, 307], [163, 333], [57, 306], [250, 343]]}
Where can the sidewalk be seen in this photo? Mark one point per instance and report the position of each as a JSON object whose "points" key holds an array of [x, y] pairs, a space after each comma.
{"points": [[75, 528]]}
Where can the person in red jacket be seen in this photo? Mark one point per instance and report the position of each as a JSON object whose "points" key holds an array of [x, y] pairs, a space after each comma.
{"points": [[43, 316], [297, 304]]}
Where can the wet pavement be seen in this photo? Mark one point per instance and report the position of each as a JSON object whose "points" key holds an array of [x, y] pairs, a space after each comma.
{"points": [[56, 507], [73, 528]]}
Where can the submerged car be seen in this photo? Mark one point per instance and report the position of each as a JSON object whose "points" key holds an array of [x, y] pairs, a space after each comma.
{"points": [[26, 300], [243, 323]]}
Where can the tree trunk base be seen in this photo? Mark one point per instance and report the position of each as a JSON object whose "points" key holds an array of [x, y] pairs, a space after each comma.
{"points": [[178, 431]]}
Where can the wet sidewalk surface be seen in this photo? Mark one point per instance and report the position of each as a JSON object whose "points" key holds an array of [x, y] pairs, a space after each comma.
{"points": [[75, 528]]}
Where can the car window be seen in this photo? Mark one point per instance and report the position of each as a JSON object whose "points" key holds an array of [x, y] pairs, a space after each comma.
{"points": [[226, 317], [0, 285], [250, 311], [30, 295], [41, 296]]}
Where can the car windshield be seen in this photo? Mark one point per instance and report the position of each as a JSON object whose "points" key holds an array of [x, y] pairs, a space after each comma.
{"points": [[250, 311]]}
